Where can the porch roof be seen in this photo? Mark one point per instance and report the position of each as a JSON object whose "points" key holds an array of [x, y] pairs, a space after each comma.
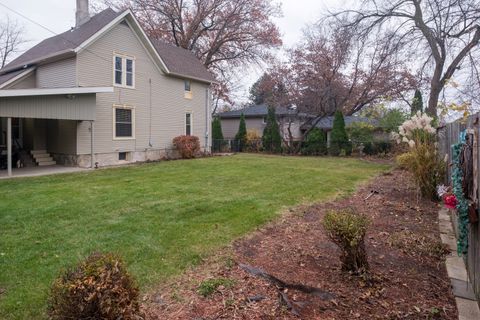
{"points": [[52, 91], [51, 103]]}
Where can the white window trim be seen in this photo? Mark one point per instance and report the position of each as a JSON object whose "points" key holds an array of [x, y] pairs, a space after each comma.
{"points": [[190, 85], [191, 122], [124, 58], [114, 121], [188, 94]]}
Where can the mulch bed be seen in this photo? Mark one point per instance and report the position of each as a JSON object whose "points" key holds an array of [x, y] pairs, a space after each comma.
{"points": [[408, 279]]}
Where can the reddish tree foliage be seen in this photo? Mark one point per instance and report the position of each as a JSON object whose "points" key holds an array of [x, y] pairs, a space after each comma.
{"points": [[333, 70], [223, 34]]}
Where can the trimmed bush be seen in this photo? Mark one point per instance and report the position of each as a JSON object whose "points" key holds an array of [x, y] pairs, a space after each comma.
{"points": [[315, 143], [360, 134], [241, 136], [187, 146], [254, 141], [339, 143], [98, 288], [271, 139], [347, 230]]}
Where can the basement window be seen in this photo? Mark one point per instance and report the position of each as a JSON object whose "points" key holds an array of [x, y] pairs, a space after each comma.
{"points": [[122, 156]]}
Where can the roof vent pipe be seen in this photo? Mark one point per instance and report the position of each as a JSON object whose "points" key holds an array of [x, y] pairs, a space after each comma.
{"points": [[82, 15]]}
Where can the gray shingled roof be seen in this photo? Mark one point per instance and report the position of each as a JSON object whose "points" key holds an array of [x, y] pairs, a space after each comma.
{"points": [[260, 110], [327, 122], [182, 62], [9, 76], [179, 61], [66, 41]]}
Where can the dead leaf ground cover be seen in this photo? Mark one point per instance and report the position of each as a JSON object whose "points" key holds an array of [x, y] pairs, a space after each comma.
{"points": [[408, 277]]}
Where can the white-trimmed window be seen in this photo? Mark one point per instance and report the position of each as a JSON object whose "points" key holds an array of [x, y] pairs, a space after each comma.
{"points": [[123, 122], [188, 89], [188, 124], [188, 86], [123, 71]]}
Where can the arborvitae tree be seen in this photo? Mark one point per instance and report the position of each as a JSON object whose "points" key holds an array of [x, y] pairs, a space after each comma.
{"points": [[272, 140], [316, 143], [417, 103], [241, 136], [217, 134], [339, 143]]}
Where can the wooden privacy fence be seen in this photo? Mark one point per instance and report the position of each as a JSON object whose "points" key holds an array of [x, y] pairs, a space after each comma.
{"points": [[449, 135]]}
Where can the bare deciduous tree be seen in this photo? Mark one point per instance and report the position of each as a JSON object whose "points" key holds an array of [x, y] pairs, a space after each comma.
{"points": [[223, 34], [11, 38], [441, 35], [333, 70]]}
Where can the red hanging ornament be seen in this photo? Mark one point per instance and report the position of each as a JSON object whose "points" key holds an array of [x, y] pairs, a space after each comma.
{"points": [[450, 201]]}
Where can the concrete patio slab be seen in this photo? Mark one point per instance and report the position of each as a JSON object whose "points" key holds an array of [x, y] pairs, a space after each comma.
{"points": [[39, 171]]}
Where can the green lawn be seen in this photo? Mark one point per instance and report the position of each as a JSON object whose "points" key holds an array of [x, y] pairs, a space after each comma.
{"points": [[160, 217]]}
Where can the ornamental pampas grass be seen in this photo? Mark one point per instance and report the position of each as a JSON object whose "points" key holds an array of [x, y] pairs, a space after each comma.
{"points": [[425, 164]]}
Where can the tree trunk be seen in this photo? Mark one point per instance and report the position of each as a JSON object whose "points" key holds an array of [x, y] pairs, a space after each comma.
{"points": [[435, 90]]}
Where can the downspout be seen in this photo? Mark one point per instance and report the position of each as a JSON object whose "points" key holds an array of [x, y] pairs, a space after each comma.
{"points": [[150, 116], [207, 116], [92, 155], [9, 146]]}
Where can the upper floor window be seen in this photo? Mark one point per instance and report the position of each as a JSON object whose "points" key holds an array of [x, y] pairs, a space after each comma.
{"points": [[188, 89], [124, 71], [188, 86]]}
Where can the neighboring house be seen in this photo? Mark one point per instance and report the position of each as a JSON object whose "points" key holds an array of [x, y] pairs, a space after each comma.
{"points": [[256, 120], [326, 124], [256, 115], [102, 93]]}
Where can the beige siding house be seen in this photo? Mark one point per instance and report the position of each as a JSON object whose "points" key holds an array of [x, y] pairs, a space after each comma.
{"points": [[255, 120], [101, 94]]}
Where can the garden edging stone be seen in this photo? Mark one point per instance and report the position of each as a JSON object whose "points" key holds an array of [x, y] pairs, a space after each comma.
{"points": [[467, 305]]}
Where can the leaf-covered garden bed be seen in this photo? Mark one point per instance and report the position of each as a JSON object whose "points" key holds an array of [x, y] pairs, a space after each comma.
{"points": [[407, 277]]}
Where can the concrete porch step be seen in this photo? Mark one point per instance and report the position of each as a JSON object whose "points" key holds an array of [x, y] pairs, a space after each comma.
{"points": [[46, 163], [43, 157], [34, 152]]}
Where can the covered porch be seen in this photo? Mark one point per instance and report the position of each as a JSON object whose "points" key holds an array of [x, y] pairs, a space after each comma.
{"points": [[38, 128]]}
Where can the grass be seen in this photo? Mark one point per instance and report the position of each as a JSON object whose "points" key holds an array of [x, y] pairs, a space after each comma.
{"points": [[209, 286], [161, 217]]}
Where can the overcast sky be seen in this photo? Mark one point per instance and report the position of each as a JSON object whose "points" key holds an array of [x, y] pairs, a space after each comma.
{"points": [[59, 15]]}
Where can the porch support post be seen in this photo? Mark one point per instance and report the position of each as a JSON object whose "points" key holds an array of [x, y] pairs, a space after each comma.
{"points": [[9, 146], [92, 154]]}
